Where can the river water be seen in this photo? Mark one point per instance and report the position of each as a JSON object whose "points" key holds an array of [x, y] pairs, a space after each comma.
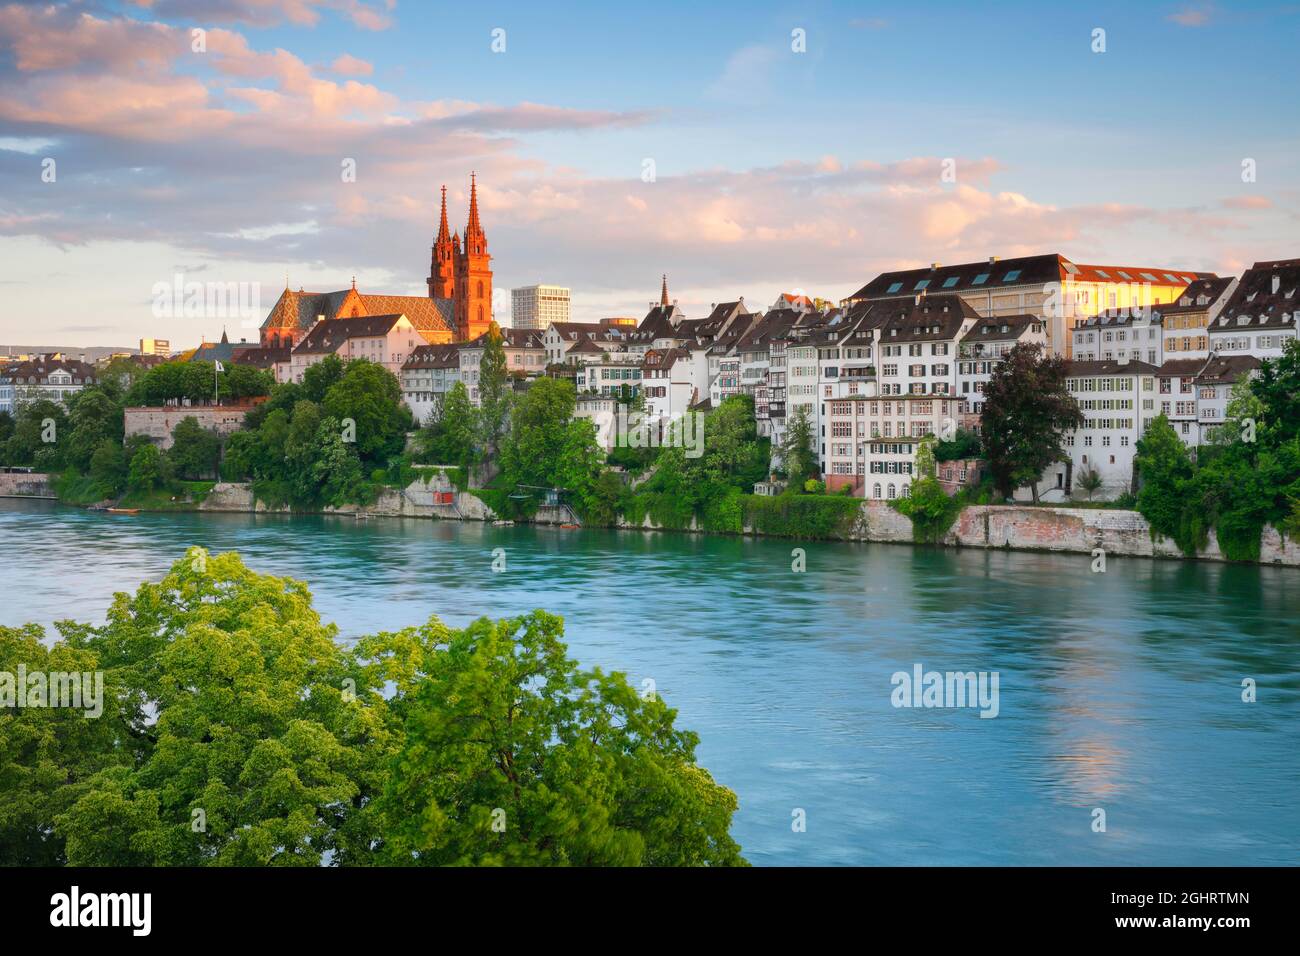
{"points": [[1118, 691]]}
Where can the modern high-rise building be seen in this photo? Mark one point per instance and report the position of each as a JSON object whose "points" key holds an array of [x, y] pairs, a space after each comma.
{"points": [[537, 306], [155, 347]]}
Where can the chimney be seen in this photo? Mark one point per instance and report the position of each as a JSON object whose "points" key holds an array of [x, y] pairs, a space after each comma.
{"points": [[993, 260], [935, 265]]}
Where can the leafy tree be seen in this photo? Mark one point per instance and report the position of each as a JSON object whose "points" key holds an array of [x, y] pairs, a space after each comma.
{"points": [[1164, 473], [108, 466], [196, 381], [797, 455], [371, 396], [579, 466], [6, 429], [195, 450], [35, 422], [48, 755], [93, 416], [964, 445], [538, 432], [320, 377], [146, 471], [930, 509], [1088, 481], [300, 443], [1277, 390], [1027, 411], [237, 731], [335, 467], [235, 708], [494, 393], [514, 756], [448, 439]]}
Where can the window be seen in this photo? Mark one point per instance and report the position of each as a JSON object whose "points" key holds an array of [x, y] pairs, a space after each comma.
{"points": [[980, 279], [1011, 276], [921, 285], [894, 287]]}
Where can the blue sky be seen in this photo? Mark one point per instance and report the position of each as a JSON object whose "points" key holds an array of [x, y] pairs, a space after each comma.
{"points": [[774, 169]]}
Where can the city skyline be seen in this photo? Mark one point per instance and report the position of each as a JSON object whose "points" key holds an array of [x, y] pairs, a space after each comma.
{"points": [[790, 150]]}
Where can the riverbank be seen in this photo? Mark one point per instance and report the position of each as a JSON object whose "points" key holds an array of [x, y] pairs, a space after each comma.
{"points": [[1006, 527]]}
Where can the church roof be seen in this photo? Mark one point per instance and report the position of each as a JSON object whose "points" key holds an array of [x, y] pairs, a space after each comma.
{"points": [[299, 310]]}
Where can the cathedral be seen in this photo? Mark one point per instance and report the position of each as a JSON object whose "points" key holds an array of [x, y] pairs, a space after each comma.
{"points": [[458, 307]]}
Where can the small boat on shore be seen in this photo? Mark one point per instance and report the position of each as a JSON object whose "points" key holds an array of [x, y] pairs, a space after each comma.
{"points": [[123, 511]]}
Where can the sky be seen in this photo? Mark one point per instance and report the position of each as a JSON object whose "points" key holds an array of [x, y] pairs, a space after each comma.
{"points": [[744, 149]]}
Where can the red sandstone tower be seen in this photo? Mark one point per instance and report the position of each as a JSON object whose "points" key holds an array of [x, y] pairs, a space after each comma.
{"points": [[464, 276], [473, 276], [442, 268]]}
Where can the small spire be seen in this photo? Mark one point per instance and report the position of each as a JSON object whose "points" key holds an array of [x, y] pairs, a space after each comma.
{"points": [[475, 228], [663, 296], [354, 283], [443, 233]]}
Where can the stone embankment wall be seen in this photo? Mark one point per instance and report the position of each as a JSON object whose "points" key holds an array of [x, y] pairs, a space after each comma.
{"points": [[414, 501], [1018, 527], [1079, 530], [19, 485]]}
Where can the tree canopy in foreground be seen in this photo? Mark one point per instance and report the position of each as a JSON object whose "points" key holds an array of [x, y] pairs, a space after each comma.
{"points": [[237, 730]]}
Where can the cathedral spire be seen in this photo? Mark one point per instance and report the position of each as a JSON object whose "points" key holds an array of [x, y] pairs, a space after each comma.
{"points": [[663, 296], [444, 234], [475, 229]]}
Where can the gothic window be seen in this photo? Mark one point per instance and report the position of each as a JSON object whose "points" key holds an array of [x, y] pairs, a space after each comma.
{"points": [[480, 295]]}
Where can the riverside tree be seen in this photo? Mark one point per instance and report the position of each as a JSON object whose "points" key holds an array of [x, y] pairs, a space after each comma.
{"points": [[797, 456], [1027, 411]]}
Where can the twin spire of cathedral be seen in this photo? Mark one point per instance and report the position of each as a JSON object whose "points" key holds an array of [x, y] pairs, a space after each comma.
{"points": [[462, 273], [475, 238]]}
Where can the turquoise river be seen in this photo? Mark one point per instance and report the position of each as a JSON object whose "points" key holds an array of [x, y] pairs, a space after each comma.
{"points": [[1119, 691]]}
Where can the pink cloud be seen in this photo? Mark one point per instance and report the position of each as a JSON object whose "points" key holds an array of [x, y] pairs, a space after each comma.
{"points": [[265, 13], [349, 65]]}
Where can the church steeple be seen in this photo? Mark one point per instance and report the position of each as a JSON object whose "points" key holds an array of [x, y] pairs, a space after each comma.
{"points": [[475, 240], [442, 269], [444, 234], [663, 295]]}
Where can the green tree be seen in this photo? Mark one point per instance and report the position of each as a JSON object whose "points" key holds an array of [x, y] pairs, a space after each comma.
{"points": [[1088, 481], [797, 455], [514, 756], [108, 466], [371, 397], [40, 427], [146, 471], [300, 443], [320, 377], [1164, 470], [195, 450], [1027, 411], [539, 428], [335, 467], [449, 438], [93, 416], [238, 715], [964, 445], [494, 392], [48, 754]]}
